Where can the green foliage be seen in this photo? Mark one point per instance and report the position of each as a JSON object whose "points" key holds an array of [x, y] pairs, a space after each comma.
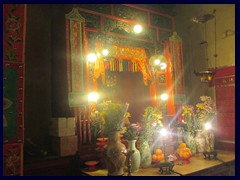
{"points": [[132, 132], [151, 120], [195, 117], [113, 115]]}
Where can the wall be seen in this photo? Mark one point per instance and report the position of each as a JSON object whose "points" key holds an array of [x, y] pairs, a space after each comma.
{"points": [[46, 81], [37, 72], [194, 54], [195, 58]]}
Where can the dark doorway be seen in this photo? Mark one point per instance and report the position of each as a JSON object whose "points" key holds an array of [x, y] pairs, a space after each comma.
{"points": [[129, 88]]}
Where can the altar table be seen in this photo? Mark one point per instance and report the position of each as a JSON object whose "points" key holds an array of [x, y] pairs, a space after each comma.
{"points": [[224, 165]]}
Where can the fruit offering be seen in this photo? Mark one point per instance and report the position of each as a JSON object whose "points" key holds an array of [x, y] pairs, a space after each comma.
{"points": [[183, 151], [158, 156]]}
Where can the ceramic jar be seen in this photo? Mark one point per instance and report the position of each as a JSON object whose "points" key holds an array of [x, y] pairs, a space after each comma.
{"points": [[135, 157], [145, 153], [200, 141], [114, 153]]}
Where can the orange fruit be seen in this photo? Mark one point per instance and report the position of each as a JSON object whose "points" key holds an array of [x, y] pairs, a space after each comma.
{"points": [[181, 153], [158, 151], [186, 155], [190, 153], [162, 157], [154, 157], [182, 145], [159, 158], [179, 150]]}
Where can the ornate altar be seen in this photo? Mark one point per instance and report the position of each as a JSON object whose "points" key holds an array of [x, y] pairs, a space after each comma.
{"points": [[90, 29]]}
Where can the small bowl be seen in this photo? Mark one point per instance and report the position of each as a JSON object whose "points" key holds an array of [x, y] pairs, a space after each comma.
{"points": [[102, 139], [91, 165], [186, 160]]}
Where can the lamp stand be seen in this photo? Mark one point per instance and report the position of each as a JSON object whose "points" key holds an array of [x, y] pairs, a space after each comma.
{"points": [[210, 155], [128, 155], [165, 167]]}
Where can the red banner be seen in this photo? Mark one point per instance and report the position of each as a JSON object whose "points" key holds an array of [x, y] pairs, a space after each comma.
{"points": [[14, 32]]}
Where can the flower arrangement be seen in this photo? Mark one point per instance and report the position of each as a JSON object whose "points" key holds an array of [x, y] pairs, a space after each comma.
{"points": [[151, 119], [132, 132], [189, 112], [96, 124], [206, 109], [195, 117], [112, 115]]}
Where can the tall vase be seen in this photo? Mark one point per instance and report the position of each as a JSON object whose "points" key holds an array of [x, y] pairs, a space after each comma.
{"points": [[200, 141], [191, 143], [145, 153], [114, 155], [135, 157]]}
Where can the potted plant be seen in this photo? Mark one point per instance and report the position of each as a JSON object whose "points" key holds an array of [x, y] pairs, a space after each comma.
{"points": [[152, 118], [131, 135], [113, 115], [194, 118], [131, 132]]}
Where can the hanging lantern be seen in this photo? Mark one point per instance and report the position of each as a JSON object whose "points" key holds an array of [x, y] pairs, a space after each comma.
{"points": [[158, 61], [205, 76]]}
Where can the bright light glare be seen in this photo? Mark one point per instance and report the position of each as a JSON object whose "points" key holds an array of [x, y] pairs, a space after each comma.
{"points": [[164, 96], [93, 97], [208, 126], [163, 132], [92, 57], [105, 52], [137, 28], [98, 54], [156, 61], [163, 65]]}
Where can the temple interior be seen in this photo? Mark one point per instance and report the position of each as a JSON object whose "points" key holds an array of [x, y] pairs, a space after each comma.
{"points": [[155, 80]]}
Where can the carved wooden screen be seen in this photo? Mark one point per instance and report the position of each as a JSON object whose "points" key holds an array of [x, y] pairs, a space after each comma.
{"points": [[117, 22], [113, 24]]}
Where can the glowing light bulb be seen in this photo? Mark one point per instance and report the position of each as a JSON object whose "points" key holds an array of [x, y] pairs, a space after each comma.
{"points": [[137, 28], [92, 57], [156, 61], [208, 126], [105, 52], [93, 97], [163, 65], [164, 96]]}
